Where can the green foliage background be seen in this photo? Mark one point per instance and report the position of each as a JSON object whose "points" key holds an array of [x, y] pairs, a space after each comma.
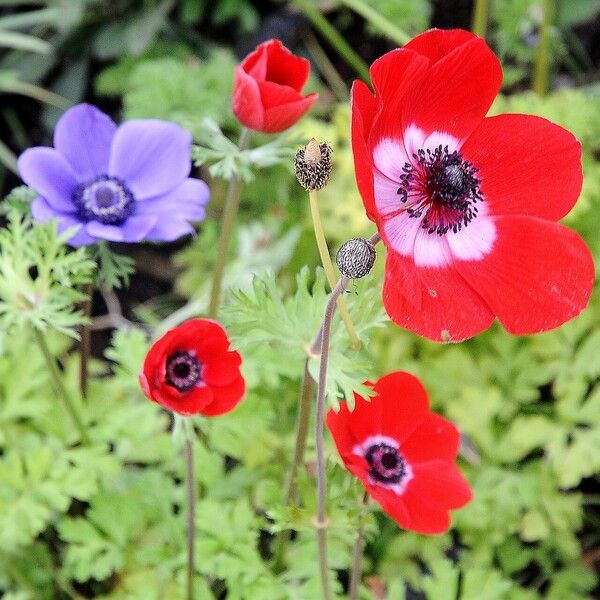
{"points": [[107, 520]]}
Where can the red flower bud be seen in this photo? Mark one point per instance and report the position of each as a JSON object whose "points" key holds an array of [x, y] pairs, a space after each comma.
{"points": [[266, 91]]}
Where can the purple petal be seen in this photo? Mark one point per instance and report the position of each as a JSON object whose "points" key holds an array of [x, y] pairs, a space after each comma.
{"points": [[43, 212], [135, 229], [50, 175], [152, 157], [185, 202], [83, 135], [168, 230]]}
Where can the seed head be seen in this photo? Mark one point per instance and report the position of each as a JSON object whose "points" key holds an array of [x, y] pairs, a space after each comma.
{"points": [[312, 165], [355, 258]]}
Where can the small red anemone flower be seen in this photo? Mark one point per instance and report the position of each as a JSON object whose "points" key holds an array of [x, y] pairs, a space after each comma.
{"points": [[403, 454], [190, 370], [467, 206], [267, 88]]}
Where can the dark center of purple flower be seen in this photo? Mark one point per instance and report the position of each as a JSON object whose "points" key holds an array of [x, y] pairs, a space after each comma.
{"points": [[387, 464], [183, 370], [442, 187], [105, 199]]}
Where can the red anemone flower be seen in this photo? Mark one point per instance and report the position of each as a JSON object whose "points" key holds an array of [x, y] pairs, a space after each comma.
{"points": [[402, 453], [190, 370], [467, 206], [266, 91]]}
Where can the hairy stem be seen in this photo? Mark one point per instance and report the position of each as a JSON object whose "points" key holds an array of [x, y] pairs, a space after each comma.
{"points": [[334, 38], [541, 70], [188, 451], [357, 554], [481, 13], [230, 210], [302, 425], [321, 520], [59, 387], [86, 340], [328, 266]]}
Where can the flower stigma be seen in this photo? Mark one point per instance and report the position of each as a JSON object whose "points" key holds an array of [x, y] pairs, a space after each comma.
{"points": [[183, 370], [441, 187], [105, 199]]}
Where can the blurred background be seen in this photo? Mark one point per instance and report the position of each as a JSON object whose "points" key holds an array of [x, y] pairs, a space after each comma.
{"points": [[529, 407]]}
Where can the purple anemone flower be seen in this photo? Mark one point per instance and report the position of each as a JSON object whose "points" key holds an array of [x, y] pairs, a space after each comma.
{"points": [[121, 184]]}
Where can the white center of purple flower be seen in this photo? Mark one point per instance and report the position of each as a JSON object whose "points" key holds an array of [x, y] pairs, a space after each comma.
{"points": [[387, 464], [183, 370], [442, 187], [105, 199]]}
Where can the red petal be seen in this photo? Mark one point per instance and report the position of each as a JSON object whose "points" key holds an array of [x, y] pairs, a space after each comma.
{"points": [[440, 484], [434, 439], [246, 102], [337, 423], [395, 77], [437, 43], [280, 118], [225, 398], [363, 107], [538, 274], [424, 517], [527, 165], [457, 91], [436, 303], [190, 403], [223, 369], [286, 68], [392, 504]]}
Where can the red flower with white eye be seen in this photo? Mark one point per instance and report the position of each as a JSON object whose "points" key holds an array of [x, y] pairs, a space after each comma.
{"points": [[267, 88], [467, 206], [190, 370], [403, 454]]}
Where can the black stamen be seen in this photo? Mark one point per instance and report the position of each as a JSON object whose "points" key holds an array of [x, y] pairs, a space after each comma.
{"points": [[387, 464], [183, 370]]}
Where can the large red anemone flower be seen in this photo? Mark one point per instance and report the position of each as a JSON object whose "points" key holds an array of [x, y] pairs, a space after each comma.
{"points": [[467, 206], [402, 453], [190, 370]]}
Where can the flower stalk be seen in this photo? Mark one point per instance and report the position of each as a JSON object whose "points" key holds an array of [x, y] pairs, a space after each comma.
{"points": [[357, 555], [302, 425], [85, 343], [321, 520], [230, 210], [59, 387], [481, 14], [190, 478], [541, 72]]}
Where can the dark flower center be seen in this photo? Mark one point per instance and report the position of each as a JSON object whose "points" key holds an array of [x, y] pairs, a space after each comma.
{"points": [[105, 199], [183, 370], [387, 464], [442, 187]]}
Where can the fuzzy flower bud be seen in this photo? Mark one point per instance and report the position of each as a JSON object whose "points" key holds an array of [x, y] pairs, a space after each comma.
{"points": [[355, 258], [312, 165]]}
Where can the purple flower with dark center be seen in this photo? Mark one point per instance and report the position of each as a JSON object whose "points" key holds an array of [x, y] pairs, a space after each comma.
{"points": [[121, 184]]}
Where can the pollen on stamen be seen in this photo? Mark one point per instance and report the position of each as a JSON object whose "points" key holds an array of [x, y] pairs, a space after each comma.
{"points": [[441, 187]]}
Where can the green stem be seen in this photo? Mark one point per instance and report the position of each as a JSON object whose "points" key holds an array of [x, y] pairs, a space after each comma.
{"points": [[481, 15], [321, 522], [541, 69], [232, 203], [86, 341], [328, 266], [378, 21], [302, 425], [191, 507], [59, 386], [357, 554], [334, 38]]}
